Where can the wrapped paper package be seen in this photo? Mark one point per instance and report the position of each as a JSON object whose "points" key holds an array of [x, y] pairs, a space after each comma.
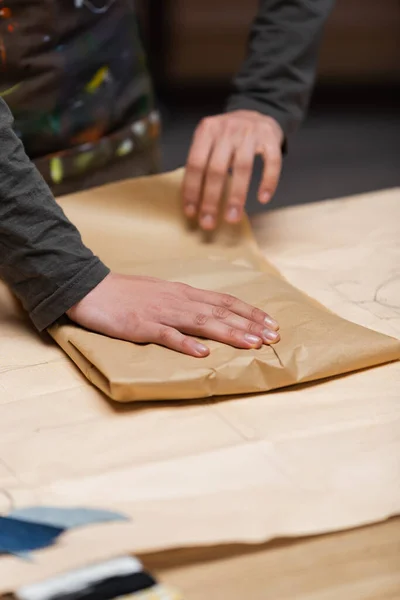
{"points": [[137, 228]]}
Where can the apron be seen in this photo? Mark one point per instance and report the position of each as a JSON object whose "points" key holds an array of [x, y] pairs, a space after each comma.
{"points": [[74, 75]]}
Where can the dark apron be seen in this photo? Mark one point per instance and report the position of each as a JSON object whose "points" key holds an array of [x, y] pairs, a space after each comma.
{"points": [[74, 75]]}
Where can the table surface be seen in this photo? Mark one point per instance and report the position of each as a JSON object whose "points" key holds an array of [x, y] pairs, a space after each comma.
{"points": [[361, 564], [345, 254]]}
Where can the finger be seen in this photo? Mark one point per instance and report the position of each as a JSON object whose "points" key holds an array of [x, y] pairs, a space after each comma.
{"points": [[173, 339], [272, 156], [202, 325], [195, 169], [217, 170], [193, 314], [234, 305], [242, 170]]}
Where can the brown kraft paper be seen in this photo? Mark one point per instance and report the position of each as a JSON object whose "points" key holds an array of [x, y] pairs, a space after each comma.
{"points": [[136, 228], [304, 460]]}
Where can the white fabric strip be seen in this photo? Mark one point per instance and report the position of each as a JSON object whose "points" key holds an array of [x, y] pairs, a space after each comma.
{"points": [[75, 581]]}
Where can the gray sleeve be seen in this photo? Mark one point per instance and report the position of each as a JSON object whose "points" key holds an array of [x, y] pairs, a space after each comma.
{"points": [[42, 256], [278, 73]]}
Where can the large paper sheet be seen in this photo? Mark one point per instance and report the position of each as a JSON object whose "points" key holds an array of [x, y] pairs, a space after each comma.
{"points": [[137, 228], [312, 459]]}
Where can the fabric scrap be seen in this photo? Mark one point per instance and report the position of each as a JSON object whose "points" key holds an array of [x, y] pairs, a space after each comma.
{"points": [[112, 588], [67, 518], [18, 536], [80, 579]]}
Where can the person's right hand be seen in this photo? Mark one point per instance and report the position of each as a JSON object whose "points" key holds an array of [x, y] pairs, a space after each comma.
{"points": [[147, 310]]}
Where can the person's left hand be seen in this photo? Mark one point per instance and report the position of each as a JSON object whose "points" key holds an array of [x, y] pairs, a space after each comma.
{"points": [[224, 142]]}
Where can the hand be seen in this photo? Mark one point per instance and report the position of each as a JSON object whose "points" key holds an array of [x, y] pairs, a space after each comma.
{"points": [[224, 142], [147, 310]]}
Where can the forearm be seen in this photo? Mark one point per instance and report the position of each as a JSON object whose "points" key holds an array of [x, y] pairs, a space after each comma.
{"points": [[42, 257], [277, 76]]}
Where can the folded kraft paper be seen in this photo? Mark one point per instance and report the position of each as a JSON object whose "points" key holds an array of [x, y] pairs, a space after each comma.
{"points": [[136, 227]]}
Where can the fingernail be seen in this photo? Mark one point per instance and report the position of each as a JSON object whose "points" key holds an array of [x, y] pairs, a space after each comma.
{"points": [[207, 222], [270, 336], [252, 339], [190, 210], [200, 349], [271, 323], [265, 197], [232, 215]]}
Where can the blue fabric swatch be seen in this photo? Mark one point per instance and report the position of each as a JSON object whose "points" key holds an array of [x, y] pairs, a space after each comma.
{"points": [[19, 537], [67, 518]]}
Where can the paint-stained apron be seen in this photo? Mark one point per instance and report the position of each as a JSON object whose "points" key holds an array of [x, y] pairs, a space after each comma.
{"points": [[74, 74]]}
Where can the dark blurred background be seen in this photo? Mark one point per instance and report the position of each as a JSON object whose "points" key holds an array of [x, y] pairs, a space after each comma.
{"points": [[350, 141]]}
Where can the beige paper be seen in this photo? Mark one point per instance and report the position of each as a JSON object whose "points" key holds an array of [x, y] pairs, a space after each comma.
{"points": [[136, 227], [311, 459]]}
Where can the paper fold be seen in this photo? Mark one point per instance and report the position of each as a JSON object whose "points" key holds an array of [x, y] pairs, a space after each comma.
{"points": [[136, 227]]}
